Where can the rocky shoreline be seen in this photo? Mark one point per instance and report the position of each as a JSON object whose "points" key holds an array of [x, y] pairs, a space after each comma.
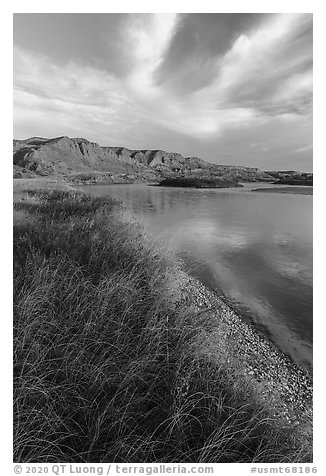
{"points": [[255, 358]]}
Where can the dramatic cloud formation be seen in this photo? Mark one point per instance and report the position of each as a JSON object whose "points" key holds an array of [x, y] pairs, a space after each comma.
{"points": [[230, 88]]}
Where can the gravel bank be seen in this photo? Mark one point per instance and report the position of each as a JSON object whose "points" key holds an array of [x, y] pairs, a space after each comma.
{"points": [[255, 358]]}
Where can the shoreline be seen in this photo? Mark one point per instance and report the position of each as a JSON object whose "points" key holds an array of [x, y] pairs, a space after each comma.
{"points": [[261, 360], [298, 190]]}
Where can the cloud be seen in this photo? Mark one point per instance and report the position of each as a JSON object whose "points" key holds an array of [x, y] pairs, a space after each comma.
{"points": [[72, 83], [259, 67], [71, 97], [190, 62], [305, 148], [261, 76], [253, 79], [150, 36]]}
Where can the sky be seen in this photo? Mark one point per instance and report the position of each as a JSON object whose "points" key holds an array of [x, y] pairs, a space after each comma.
{"points": [[229, 88]]}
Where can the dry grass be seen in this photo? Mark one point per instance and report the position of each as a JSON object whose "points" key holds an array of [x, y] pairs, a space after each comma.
{"points": [[105, 363]]}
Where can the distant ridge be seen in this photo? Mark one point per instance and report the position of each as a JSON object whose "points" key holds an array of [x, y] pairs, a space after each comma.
{"points": [[78, 159]]}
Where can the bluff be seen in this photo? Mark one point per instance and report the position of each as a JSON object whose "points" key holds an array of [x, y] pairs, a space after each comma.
{"points": [[80, 160]]}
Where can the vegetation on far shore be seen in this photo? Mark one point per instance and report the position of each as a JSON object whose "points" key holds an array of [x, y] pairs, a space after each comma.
{"points": [[199, 182], [291, 177], [105, 361]]}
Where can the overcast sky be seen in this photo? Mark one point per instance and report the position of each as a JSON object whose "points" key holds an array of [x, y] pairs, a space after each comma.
{"points": [[229, 88]]}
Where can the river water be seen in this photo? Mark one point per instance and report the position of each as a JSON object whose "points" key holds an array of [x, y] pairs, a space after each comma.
{"points": [[253, 247]]}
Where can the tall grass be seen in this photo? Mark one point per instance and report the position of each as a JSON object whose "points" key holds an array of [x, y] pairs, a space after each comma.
{"points": [[106, 366]]}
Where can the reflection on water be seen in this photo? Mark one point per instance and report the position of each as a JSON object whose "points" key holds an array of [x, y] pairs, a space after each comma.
{"points": [[254, 247]]}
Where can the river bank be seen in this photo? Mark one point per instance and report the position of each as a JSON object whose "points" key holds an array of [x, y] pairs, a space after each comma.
{"points": [[257, 358], [156, 366], [302, 190]]}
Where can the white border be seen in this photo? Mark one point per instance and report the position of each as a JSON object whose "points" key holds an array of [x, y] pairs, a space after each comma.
{"points": [[230, 6]]}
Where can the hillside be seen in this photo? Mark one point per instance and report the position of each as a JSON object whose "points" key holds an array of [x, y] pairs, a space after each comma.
{"points": [[291, 177], [80, 160]]}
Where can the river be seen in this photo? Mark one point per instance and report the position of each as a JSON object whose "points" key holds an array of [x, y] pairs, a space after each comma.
{"points": [[255, 248]]}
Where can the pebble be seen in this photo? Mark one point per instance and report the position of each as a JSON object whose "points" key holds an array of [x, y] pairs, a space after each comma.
{"points": [[273, 370]]}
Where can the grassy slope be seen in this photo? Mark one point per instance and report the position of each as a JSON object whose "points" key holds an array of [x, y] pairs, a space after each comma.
{"points": [[105, 360]]}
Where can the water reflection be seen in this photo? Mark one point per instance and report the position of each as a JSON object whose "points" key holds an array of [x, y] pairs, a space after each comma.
{"points": [[254, 247]]}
